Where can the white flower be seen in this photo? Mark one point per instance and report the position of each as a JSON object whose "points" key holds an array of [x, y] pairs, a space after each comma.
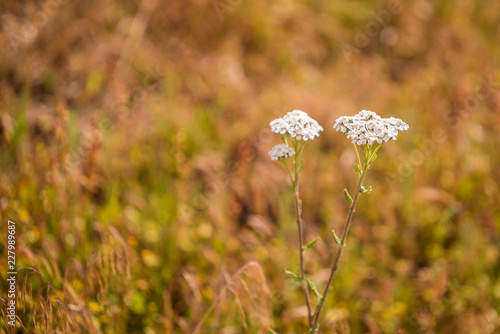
{"points": [[281, 151], [298, 125], [367, 127]]}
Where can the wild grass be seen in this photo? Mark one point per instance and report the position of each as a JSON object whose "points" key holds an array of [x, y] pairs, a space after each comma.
{"points": [[145, 200]]}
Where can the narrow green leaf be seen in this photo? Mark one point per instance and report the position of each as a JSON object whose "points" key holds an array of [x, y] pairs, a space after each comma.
{"points": [[347, 196], [300, 168], [309, 245], [367, 191], [337, 240], [374, 156], [293, 276], [271, 331], [357, 168], [314, 289]]}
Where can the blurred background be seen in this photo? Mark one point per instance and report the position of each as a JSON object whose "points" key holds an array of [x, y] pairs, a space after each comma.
{"points": [[133, 156]]}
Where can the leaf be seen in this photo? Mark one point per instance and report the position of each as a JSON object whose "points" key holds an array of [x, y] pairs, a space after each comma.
{"points": [[314, 289], [309, 245], [347, 196], [293, 276], [357, 168], [271, 331], [337, 240], [367, 191], [373, 157]]}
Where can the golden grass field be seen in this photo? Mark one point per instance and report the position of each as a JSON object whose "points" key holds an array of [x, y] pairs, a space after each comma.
{"points": [[133, 160]]}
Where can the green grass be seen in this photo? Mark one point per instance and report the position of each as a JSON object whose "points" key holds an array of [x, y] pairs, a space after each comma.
{"points": [[154, 208]]}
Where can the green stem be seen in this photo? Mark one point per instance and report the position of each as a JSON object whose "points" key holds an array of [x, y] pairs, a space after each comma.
{"points": [[289, 174], [357, 155], [298, 209], [345, 232]]}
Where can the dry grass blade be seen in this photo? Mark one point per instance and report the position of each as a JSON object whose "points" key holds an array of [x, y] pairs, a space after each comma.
{"points": [[249, 287], [50, 287], [339, 322]]}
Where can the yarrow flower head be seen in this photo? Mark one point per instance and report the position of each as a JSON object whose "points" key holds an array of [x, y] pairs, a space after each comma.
{"points": [[298, 125], [281, 151], [367, 127]]}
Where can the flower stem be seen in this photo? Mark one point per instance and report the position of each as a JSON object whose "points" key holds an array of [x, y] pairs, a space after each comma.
{"points": [[297, 167], [302, 264], [345, 232], [298, 209]]}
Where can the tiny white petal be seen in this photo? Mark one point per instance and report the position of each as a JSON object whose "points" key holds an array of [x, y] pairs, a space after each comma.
{"points": [[368, 127], [298, 125]]}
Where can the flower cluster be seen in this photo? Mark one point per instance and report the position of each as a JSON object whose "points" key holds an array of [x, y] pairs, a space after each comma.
{"points": [[367, 127], [281, 151], [298, 124]]}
